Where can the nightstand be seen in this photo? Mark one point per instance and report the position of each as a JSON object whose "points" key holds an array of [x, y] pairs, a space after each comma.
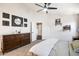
{"points": [[75, 38]]}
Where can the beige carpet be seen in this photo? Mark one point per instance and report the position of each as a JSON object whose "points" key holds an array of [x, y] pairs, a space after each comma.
{"points": [[22, 51]]}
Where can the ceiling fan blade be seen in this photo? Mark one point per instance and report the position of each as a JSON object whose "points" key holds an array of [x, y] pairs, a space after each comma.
{"points": [[51, 8], [39, 5], [40, 10], [49, 4]]}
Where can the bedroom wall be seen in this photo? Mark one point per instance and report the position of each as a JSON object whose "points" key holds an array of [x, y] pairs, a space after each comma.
{"points": [[48, 20], [49, 29], [52, 31], [57, 31], [13, 9]]}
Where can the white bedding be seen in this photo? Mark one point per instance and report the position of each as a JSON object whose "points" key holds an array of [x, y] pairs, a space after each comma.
{"points": [[43, 48], [60, 49]]}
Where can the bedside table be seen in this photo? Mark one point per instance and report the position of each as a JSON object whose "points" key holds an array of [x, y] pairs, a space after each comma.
{"points": [[75, 38]]}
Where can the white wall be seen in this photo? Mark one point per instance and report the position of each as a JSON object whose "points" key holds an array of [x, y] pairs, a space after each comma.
{"points": [[57, 31], [52, 31], [48, 20], [13, 9]]}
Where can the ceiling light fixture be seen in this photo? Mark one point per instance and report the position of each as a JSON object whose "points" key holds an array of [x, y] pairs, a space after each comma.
{"points": [[45, 9]]}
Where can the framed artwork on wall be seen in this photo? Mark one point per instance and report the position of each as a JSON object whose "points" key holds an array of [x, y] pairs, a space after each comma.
{"points": [[17, 21], [5, 23], [66, 27], [25, 25], [25, 20], [58, 22], [6, 15]]}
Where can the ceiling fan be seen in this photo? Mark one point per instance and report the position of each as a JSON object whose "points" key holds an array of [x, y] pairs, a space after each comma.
{"points": [[45, 7]]}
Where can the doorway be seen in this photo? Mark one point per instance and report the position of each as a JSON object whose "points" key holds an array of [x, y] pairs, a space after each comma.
{"points": [[39, 31]]}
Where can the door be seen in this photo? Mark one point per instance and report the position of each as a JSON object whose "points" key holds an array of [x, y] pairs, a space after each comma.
{"points": [[39, 31]]}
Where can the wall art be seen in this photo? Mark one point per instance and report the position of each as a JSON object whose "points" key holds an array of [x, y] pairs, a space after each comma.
{"points": [[6, 15], [58, 22], [66, 27], [25, 25], [5, 23], [25, 20], [17, 21]]}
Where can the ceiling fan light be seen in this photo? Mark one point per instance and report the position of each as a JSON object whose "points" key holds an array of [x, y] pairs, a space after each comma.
{"points": [[45, 9]]}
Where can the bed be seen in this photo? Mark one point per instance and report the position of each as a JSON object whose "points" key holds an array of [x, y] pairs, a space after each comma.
{"points": [[50, 47]]}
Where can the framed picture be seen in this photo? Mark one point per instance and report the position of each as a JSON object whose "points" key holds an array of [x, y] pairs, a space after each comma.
{"points": [[66, 27], [58, 21], [6, 15], [25, 25], [5, 23], [25, 20], [17, 21]]}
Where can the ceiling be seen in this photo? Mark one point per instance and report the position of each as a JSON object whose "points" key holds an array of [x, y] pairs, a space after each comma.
{"points": [[63, 8]]}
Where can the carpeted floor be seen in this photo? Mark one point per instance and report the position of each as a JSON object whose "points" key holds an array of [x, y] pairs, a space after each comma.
{"points": [[22, 51]]}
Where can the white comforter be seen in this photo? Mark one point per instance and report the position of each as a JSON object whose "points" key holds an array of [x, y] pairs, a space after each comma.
{"points": [[43, 48]]}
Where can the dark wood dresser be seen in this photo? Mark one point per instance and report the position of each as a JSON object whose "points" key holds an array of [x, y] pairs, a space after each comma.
{"points": [[13, 41]]}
